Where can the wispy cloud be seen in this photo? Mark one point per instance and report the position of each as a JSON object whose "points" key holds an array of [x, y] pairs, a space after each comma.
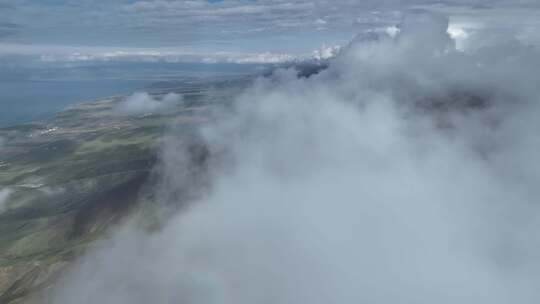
{"points": [[228, 25], [55, 53], [144, 103]]}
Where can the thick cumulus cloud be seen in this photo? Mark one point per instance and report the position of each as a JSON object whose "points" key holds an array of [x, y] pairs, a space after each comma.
{"points": [[144, 103], [404, 173]]}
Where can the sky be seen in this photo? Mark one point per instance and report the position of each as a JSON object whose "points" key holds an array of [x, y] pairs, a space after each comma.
{"points": [[224, 29]]}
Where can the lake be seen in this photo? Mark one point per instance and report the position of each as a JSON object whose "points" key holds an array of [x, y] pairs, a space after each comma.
{"points": [[30, 93]]}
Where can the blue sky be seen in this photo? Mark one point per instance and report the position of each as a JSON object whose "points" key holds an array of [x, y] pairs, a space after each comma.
{"points": [[228, 26]]}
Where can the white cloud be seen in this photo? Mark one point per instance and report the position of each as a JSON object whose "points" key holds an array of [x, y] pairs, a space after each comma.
{"points": [[227, 24], [321, 22], [392, 31], [247, 31], [404, 173], [262, 58], [48, 53], [5, 193], [143, 103], [459, 34], [326, 52]]}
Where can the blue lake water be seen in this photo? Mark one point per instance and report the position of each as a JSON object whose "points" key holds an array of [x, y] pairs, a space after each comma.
{"points": [[24, 101], [33, 92]]}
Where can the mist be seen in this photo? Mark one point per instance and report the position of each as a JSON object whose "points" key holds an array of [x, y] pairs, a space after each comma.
{"points": [[406, 172], [5, 193], [142, 103]]}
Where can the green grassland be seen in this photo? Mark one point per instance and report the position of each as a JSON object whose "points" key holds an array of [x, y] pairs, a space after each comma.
{"points": [[72, 178]]}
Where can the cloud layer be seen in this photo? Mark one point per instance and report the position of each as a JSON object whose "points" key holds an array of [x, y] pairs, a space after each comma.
{"points": [[236, 25], [404, 173], [144, 103]]}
